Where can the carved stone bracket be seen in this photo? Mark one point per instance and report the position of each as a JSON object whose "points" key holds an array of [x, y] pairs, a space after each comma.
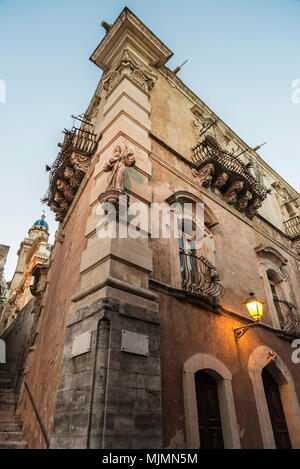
{"points": [[271, 356]]}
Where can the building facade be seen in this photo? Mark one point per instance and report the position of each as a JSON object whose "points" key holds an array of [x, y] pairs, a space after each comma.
{"points": [[135, 345], [4, 288], [34, 250]]}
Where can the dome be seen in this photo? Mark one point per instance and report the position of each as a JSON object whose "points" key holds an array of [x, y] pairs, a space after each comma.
{"points": [[41, 224]]}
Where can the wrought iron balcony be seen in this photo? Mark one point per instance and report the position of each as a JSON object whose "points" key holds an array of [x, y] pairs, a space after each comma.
{"points": [[69, 168], [200, 277], [209, 152], [292, 227], [289, 319], [228, 176], [79, 140]]}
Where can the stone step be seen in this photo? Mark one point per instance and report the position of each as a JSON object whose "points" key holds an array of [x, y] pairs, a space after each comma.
{"points": [[6, 395], [10, 427], [8, 415], [13, 445], [5, 383], [11, 436], [5, 373], [7, 406], [4, 366]]}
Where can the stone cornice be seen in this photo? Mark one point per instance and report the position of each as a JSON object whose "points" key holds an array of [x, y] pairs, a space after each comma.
{"points": [[128, 29]]}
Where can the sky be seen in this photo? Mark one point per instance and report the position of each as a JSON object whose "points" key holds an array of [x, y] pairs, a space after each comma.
{"points": [[243, 57]]}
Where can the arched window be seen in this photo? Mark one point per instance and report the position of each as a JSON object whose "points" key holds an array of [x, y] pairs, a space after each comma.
{"points": [[197, 270], [277, 295], [277, 288], [193, 263]]}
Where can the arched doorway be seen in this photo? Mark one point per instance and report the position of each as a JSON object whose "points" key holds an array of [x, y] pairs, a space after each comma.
{"points": [[209, 419], [279, 426]]}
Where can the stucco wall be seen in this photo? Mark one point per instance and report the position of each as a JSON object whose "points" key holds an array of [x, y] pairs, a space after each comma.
{"points": [[187, 330]]}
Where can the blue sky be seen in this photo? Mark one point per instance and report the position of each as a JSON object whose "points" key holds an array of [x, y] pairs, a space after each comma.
{"points": [[242, 59]]}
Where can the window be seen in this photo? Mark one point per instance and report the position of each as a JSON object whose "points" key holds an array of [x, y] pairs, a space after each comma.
{"points": [[198, 274], [276, 299]]}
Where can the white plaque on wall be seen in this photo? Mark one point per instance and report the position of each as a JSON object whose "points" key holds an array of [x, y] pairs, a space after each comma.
{"points": [[135, 343], [81, 344]]}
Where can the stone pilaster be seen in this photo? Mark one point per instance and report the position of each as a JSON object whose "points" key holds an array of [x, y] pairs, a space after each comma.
{"points": [[109, 393]]}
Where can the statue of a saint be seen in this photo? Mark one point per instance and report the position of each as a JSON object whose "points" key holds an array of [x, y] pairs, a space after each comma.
{"points": [[122, 158]]}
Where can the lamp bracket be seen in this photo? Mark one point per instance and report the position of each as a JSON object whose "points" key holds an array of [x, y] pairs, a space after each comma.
{"points": [[240, 331]]}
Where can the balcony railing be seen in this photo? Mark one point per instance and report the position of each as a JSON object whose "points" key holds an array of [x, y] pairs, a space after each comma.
{"points": [[79, 140], [69, 168], [209, 152], [200, 277], [289, 319], [292, 226]]}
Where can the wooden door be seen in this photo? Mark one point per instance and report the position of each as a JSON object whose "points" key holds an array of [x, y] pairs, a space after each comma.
{"points": [[209, 420], [280, 430]]}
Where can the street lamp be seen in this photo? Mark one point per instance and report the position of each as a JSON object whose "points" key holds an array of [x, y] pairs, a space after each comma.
{"points": [[255, 309]]}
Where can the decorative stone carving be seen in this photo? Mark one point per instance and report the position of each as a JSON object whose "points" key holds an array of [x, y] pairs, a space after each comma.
{"points": [[220, 182], [230, 195], [58, 197], [243, 201], [122, 158], [281, 191], [66, 189], [271, 356], [59, 216], [80, 162], [129, 67], [64, 206], [253, 208], [54, 207], [205, 175], [297, 247], [72, 177]]}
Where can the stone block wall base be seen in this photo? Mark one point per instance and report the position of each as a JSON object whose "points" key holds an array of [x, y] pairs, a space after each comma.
{"points": [[108, 398]]}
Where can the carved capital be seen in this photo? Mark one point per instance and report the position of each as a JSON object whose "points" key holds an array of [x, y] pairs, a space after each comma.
{"points": [[129, 66]]}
